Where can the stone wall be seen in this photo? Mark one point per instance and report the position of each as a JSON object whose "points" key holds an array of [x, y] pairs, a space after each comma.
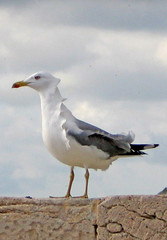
{"points": [[111, 218], [133, 217]]}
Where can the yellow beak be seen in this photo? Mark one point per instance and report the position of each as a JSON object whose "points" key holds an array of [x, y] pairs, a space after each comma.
{"points": [[19, 84]]}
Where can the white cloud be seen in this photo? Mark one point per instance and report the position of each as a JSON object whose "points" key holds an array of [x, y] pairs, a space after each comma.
{"points": [[161, 52]]}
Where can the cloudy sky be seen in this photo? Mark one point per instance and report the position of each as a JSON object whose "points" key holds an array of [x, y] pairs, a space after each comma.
{"points": [[112, 59]]}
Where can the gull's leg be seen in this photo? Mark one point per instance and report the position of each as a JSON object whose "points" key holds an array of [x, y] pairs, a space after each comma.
{"points": [[86, 188], [69, 186], [68, 194]]}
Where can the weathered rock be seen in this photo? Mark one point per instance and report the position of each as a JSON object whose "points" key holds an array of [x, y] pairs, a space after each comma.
{"points": [[163, 192], [114, 227], [52, 219], [134, 217], [113, 218]]}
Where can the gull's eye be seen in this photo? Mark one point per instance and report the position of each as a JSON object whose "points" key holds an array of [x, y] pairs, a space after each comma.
{"points": [[37, 77]]}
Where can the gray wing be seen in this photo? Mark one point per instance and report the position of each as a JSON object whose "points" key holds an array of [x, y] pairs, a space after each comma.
{"points": [[93, 136]]}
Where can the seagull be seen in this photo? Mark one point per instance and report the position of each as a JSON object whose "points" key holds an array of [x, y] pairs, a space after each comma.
{"points": [[75, 142]]}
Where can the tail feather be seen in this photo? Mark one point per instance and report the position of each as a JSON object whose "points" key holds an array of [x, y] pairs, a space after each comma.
{"points": [[136, 149]]}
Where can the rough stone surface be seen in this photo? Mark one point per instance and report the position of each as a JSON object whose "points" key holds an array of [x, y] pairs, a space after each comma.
{"points": [[111, 218], [163, 192], [133, 217], [52, 219]]}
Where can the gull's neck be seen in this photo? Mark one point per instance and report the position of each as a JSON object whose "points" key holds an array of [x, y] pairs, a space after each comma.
{"points": [[51, 98], [52, 105]]}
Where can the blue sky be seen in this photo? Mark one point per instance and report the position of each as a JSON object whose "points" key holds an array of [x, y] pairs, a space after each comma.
{"points": [[111, 57]]}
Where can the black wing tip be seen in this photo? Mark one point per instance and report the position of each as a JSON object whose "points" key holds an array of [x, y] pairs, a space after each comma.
{"points": [[133, 153], [138, 147], [143, 153]]}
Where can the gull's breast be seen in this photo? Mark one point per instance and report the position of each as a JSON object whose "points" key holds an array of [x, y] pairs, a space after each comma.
{"points": [[54, 139]]}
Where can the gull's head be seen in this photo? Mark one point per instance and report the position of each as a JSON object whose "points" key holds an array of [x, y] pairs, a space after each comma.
{"points": [[38, 81]]}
